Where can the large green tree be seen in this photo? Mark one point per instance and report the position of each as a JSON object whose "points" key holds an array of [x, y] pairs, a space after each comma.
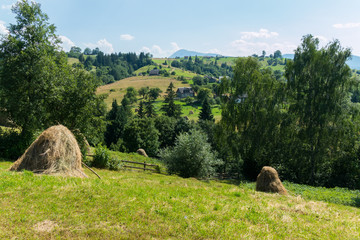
{"points": [[39, 88], [252, 111], [318, 81]]}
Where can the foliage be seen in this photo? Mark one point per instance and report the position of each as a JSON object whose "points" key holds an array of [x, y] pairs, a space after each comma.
{"points": [[170, 108], [206, 113], [39, 88], [131, 94], [101, 157], [252, 110], [191, 156], [141, 133], [318, 81]]}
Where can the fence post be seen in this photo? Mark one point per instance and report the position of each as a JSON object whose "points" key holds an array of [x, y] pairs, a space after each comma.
{"points": [[144, 166]]}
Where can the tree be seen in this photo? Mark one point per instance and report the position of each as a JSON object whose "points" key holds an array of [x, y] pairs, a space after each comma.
{"points": [[39, 88], [143, 91], [277, 54], [131, 94], [203, 93], [170, 108], [251, 115], [141, 112], [141, 133], [87, 51], [191, 156], [318, 81], [154, 93], [263, 54], [206, 113]]}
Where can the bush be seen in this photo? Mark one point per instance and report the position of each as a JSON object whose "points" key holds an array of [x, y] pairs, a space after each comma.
{"points": [[101, 157], [191, 156]]}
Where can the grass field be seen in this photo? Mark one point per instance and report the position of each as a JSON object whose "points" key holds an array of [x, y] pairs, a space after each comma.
{"points": [[137, 205], [117, 89]]}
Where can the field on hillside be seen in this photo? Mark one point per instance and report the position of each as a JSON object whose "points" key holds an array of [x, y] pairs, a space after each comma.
{"points": [[117, 89], [137, 205]]}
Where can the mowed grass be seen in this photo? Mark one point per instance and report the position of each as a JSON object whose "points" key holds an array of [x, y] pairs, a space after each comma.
{"points": [[117, 89], [137, 205]]}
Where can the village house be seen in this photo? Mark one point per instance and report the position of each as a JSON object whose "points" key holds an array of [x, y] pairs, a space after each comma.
{"points": [[154, 72], [184, 92]]}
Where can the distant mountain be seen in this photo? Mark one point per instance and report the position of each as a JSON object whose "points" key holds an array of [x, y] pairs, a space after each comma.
{"points": [[354, 62], [183, 53]]}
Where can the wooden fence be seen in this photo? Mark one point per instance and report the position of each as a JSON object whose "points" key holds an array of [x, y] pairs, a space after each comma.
{"points": [[145, 166]]}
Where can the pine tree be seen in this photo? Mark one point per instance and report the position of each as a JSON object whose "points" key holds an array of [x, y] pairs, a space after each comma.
{"points": [[170, 108], [206, 113], [141, 112]]}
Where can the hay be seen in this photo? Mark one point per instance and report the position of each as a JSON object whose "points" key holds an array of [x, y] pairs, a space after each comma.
{"points": [[55, 152], [268, 181], [141, 152]]}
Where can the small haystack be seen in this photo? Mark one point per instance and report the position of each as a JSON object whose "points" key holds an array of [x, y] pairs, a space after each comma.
{"points": [[191, 112], [55, 151], [268, 181], [141, 152]]}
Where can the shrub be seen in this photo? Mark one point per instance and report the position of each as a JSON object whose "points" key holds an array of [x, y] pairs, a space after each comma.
{"points": [[101, 157], [191, 156]]}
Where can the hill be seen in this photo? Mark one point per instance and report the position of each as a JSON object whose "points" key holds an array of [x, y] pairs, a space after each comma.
{"points": [[354, 62], [183, 53], [137, 205]]}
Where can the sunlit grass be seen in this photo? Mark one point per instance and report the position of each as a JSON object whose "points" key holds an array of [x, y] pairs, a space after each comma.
{"points": [[137, 205]]}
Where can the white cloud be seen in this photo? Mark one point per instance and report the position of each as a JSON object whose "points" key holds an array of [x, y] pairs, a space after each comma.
{"points": [[66, 43], [322, 40], [157, 51], [346, 25], [6, 7], [247, 48], [126, 37], [215, 50], [3, 29], [103, 45], [263, 33]]}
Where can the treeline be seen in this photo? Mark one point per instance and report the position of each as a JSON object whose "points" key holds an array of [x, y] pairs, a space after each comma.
{"points": [[199, 67], [110, 67]]}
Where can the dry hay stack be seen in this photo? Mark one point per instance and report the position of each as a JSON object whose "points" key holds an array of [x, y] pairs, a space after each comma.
{"points": [[55, 151], [268, 181], [141, 152]]}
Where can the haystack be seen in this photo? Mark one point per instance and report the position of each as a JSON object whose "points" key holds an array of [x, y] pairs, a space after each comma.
{"points": [[268, 181], [141, 152], [55, 151]]}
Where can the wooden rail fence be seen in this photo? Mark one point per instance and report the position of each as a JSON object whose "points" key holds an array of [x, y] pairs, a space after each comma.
{"points": [[146, 166]]}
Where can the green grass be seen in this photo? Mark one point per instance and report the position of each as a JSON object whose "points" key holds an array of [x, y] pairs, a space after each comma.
{"points": [[137, 205]]}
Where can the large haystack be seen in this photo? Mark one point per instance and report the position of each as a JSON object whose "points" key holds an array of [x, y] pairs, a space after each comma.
{"points": [[268, 181], [141, 152], [55, 151]]}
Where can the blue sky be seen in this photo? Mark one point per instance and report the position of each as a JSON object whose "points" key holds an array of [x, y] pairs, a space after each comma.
{"points": [[227, 27]]}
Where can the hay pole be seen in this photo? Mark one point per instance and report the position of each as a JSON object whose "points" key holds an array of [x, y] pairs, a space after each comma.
{"points": [[91, 170]]}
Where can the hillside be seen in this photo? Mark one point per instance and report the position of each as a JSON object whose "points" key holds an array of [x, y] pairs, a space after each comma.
{"points": [[137, 205], [117, 89]]}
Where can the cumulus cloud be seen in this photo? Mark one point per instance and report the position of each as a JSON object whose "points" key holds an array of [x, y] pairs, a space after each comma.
{"points": [[6, 7], [262, 33], [157, 51], [126, 37], [346, 25], [66, 43], [246, 48], [3, 29], [103, 45]]}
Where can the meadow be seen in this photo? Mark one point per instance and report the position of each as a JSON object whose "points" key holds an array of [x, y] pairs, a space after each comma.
{"points": [[138, 205]]}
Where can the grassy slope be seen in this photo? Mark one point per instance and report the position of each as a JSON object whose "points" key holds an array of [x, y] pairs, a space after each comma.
{"points": [[137, 83], [136, 205]]}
